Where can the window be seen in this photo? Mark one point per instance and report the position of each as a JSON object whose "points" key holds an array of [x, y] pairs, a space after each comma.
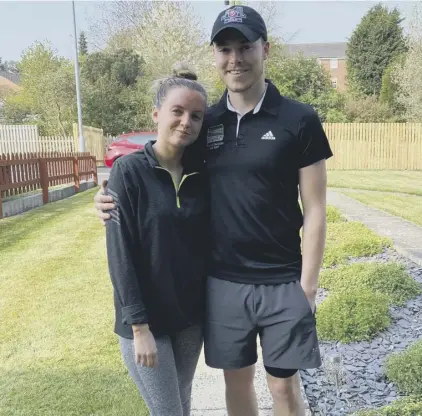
{"points": [[334, 82], [334, 63], [141, 139]]}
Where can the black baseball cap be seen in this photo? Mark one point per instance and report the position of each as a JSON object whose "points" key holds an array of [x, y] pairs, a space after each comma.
{"points": [[243, 18]]}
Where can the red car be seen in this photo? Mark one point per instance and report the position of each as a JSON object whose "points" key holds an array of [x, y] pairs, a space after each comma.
{"points": [[127, 143]]}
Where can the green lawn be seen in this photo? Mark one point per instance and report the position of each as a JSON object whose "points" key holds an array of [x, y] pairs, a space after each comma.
{"points": [[377, 180], [408, 207], [58, 352]]}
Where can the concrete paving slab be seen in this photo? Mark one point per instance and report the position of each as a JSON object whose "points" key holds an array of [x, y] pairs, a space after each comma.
{"points": [[208, 395], [407, 237]]}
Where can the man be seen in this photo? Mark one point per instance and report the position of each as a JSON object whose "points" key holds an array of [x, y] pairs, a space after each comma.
{"points": [[260, 148]]}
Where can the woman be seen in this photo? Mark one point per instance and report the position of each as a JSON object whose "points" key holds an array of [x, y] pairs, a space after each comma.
{"points": [[156, 240]]}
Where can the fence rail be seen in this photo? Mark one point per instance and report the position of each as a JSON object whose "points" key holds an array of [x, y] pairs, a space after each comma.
{"points": [[23, 173]]}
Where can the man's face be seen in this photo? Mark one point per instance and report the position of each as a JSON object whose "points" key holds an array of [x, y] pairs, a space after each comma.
{"points": [[240, 63]]}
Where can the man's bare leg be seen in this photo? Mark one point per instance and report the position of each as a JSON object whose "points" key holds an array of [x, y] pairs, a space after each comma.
{"points": [[240, 392], [286, 395]]}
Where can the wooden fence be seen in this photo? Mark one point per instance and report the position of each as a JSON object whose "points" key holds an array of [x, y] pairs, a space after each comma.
{"points": [[383, 146], [18, 138], [26, 139], [22, 173], [95, 142], [393, 146]]}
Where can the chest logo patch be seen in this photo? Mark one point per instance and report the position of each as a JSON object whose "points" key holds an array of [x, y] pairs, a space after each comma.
{"points": [[215, 136], [268, 136]]}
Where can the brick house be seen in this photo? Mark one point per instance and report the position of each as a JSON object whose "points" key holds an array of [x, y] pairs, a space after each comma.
{"points": [[332, 56]]}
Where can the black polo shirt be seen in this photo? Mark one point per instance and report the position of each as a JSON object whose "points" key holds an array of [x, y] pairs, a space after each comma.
{"points": [[253, 167]]}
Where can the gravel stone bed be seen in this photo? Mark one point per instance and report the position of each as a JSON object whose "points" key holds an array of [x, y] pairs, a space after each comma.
{"points": [[351, 377]]}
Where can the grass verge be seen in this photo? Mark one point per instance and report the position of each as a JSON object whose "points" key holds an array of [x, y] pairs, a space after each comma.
{"points": [[408, 207], [58, 352], [377, 180]]}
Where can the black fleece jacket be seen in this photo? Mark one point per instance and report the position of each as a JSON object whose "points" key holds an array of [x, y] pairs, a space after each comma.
{"points": [[157, 241]]}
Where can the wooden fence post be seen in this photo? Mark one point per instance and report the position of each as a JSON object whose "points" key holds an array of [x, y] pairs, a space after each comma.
{"points": [[95, 171], [76, 174], [44, 179], [1, 206]]}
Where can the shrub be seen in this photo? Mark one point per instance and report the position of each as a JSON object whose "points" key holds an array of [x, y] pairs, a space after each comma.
{"points": [[367, 110], [351, 239], [405, 369], [408, 406], [354, 315], [390, 279], [334, 215]]}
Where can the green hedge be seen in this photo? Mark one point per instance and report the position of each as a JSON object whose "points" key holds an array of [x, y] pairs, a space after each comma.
{"points": [[390, 279], [409, 406], [354, 315], [405, 369], [351, 239]]}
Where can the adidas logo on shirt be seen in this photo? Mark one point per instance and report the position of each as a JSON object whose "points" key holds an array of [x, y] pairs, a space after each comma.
{"points": [[268, 136]]}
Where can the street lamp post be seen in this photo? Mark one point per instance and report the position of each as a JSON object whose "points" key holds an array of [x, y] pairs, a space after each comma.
{"points": [[78, 87]]}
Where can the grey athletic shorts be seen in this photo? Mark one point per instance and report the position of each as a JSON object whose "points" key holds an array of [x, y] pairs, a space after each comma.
{"points": [[280, 314]]}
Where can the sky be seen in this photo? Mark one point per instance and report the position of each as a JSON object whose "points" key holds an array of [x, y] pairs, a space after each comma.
{"points": [[300, 21]]}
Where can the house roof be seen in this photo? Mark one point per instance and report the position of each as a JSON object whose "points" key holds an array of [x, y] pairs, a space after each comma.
{"points": [[11, 76], [7, 86], [318, 50]]}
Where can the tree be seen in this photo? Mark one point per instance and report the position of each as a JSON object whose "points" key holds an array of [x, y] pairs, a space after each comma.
{"points": [[389, 93], [48, 90], [302, 79], [111, 96], [374, 44], [117, 24], [9, 66], [160, 34], [166, 38], [17, 109], [83, 44], [367, 109], [408, 77]]}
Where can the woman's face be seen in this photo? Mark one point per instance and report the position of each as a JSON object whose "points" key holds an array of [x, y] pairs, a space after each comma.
{"points": [[179, 119]]}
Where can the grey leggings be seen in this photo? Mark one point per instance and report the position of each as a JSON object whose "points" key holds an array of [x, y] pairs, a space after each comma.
{"points": [[166, 389]]}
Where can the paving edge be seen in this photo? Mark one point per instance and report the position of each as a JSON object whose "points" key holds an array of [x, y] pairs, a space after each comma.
{"points": [[405, 252]]}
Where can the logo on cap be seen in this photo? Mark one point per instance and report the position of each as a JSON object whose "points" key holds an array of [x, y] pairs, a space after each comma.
{"points": [[234, 15]]}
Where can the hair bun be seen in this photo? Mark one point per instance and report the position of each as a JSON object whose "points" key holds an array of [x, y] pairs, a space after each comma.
{"points": [[182, 70]]}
